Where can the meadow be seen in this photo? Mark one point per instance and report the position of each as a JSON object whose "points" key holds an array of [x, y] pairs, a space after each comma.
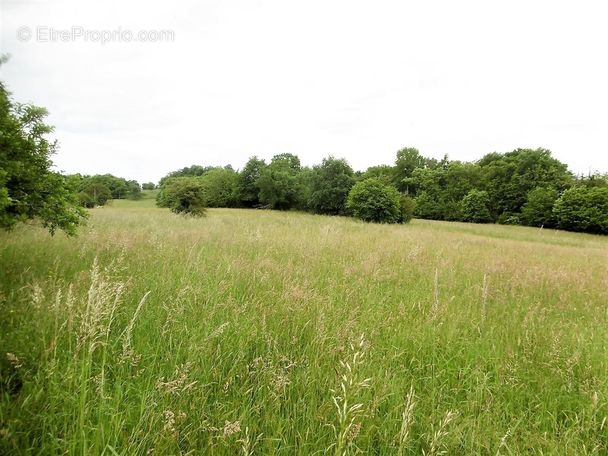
{"points": [[266, 332]]}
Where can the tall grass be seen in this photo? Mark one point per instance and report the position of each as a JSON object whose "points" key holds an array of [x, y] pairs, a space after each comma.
{"points": [[240, 333]]}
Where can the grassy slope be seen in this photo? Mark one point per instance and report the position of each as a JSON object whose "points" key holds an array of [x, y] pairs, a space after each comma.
{"points": [[252, 316]]}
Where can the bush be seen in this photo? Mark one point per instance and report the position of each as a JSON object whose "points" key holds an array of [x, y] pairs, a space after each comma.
{"points": [[475, 207], [374, 201], [330, 184], [538, 209], [98, 195], [220, 187], [508, 218], [183, 195], [583, 209], [428, 207], [408, 206]]}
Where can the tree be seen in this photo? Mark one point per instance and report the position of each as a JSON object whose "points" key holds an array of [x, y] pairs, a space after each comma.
{"points": [[475, 207], [184, 195], [188, 171], [583, 209], [278, 182], [428, 207], [385, 173], [509, 177], [248, 188], [28, 188], [220, 187], [133, 190], [372, 200], [408, 206], [408, 159], [330, 184], [94, 195], [538, 209], [148, 186]]}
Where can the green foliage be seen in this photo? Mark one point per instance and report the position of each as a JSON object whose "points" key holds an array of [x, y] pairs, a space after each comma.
{"points": [[330, 184], [279, 184], [583, 209], [372, 200], [148, 186], [119, 187], [94, 194], [428, 207], [509, 177], [538, 209], [183, 195], [248, 188], [220, 187], [188, 171], [28, 188], [408, 160], [408, 206], [385, 173], [475, 207]]}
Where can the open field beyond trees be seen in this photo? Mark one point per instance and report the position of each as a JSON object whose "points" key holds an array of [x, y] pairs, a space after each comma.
{"points": [[266, 332]]}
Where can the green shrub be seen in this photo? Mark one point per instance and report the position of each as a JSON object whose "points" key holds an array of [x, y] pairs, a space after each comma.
{"points": [[94, 195], [428, 207], [408, 206], [374, 201], [475, 207], [183, 195], [508, 218], [538, 209], [220, 187], [330, 184], [583, 209]]}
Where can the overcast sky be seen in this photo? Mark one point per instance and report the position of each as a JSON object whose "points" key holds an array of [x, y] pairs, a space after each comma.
{"points": [[354, 79]]}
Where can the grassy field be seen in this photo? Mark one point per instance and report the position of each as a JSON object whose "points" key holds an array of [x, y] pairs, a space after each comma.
{"points": [[258, 332]]}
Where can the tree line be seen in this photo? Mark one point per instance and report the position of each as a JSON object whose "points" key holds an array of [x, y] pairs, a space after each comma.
{"points": [[523, 187], [97, 190]]}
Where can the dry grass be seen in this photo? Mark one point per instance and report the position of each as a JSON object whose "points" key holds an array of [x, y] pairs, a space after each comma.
{"points": [[239, 333]]}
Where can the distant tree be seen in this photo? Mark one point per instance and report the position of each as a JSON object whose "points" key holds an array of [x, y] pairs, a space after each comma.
{"points": [[184, 195], [278, 182], [592, 180], [220, 187], [248, 188], [408, 159], [148, 186], [509, 177], [583, 209], [408, 206], [475, 207], [385, 173], [538, 208], [94, 194], [428, 206], [459, 178], [290, 159], [372, 200], [28, 187], [331, 182], [133, 190], [188, 171], [303, 187]]}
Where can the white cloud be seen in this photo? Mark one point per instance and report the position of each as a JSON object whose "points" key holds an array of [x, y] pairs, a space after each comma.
{"points": [[349, 78]]}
